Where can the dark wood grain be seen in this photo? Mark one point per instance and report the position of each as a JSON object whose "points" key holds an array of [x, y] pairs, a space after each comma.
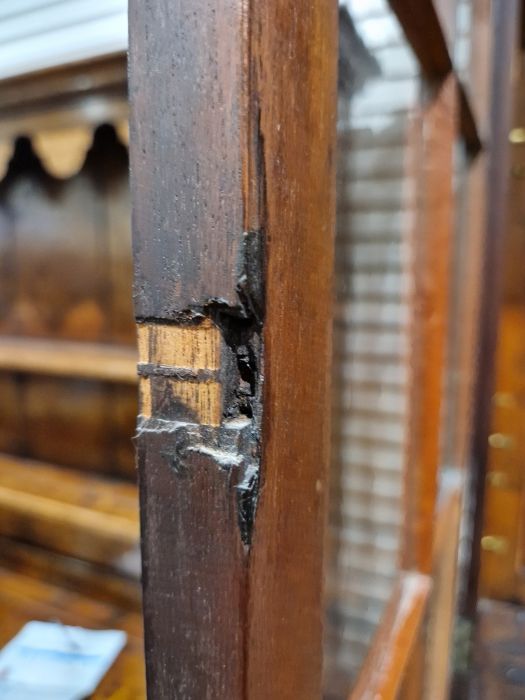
{"points": [[504, 42], [186, 61], [66, 511], [67, 259], [297, 88], [194, 577], [421, 21], [423, 28], [232, 136]]}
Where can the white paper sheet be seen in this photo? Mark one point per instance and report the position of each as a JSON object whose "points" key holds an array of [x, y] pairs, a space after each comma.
{"points": [[50, 661]]}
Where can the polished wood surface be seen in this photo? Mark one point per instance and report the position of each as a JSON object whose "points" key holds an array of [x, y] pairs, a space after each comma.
{"points": [[299, 179], [60, 401], [388, 660], [432, 265], [62, 85], [421, 22], [502, 572]]}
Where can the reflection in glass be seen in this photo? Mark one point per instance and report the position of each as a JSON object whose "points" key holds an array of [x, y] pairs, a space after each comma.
{"points": [[378, 88]]}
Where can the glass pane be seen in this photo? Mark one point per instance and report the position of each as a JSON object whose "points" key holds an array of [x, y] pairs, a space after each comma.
{"points": [[378, 90]]}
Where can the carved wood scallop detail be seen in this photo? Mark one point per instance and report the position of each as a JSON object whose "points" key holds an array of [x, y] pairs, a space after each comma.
{"points": [[62, 151]]}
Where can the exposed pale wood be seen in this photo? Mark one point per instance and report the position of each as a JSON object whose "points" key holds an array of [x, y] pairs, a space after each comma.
{"points": [[202, 401], [196, 346], [388, 659], [104, 362], [176, 349], [72, 513]]}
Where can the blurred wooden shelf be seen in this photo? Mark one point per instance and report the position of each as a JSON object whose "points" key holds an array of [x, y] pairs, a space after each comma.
{"points": [[105, 362], [24, 598], [69, 512]]}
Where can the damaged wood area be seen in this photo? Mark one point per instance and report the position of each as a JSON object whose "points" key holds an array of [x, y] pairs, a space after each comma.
{"points": [[199, 453], [200, 385]]}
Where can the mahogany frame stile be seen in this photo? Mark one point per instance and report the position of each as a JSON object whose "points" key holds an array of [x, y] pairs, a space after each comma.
{"points": [[233, 108], [506, 27], [431, 531]]}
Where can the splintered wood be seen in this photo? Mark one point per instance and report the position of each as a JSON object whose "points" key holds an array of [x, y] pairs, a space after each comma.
{"points": [[179, 366]]}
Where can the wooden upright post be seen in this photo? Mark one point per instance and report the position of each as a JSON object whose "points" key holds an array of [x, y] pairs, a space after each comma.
{"points": [[233, 106], [505, 25]]}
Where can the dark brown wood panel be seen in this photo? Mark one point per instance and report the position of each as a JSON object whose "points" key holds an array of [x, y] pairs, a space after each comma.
{"points": [[186, 81], [422, 25], [232, 137], [72, 422], [505, 27], [195, 577]]}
